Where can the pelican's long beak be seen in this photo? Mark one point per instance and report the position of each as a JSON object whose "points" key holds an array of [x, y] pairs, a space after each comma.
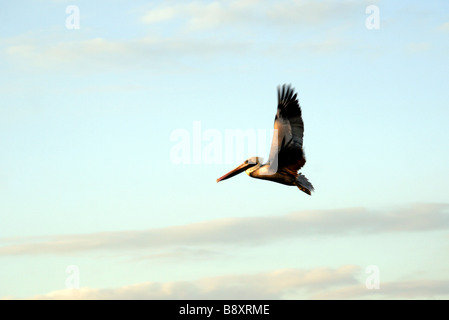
{"points": [[236, 171]]}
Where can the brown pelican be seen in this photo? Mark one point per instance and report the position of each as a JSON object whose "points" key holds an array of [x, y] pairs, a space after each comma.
{"points": [[286, 154]]}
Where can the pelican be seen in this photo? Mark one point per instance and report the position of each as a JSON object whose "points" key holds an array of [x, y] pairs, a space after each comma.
{"points": [[286, 153]]}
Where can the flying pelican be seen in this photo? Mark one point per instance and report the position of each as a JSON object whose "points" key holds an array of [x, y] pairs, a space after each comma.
{"points": [[286, 154]]}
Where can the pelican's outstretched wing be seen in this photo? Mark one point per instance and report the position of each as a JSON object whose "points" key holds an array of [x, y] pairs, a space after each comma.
{"points": [[286, 148]]}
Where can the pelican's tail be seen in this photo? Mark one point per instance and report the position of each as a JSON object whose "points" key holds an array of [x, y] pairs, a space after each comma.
{"points": [[304, 184]]}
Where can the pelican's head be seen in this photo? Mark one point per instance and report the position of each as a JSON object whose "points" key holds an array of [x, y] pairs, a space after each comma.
{"points": [[248, 166]]}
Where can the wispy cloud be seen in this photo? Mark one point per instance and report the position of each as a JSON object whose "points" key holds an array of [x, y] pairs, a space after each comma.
{"points": [[183, 30], [412, 289], [265, 285], [243, 231], [100, 54], [199, 15], [444, 27], [418, 47], [345, 282]]}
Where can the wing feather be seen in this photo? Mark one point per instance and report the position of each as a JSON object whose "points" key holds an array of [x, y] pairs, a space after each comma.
{"points": [[286, 148]]}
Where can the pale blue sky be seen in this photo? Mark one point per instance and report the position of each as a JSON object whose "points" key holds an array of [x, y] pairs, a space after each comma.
{"points": [[86, 177]]}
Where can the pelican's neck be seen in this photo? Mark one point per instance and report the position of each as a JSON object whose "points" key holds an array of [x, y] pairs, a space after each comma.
{"points": [[262, 171], [253, 168]]}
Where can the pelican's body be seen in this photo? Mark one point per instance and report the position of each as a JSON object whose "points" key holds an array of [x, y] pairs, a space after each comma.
{"points": [[286, 154], [262, 172]]}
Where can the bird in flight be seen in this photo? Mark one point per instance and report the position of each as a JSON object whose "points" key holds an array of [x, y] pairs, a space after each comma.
{"points": [[286, 153]]}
